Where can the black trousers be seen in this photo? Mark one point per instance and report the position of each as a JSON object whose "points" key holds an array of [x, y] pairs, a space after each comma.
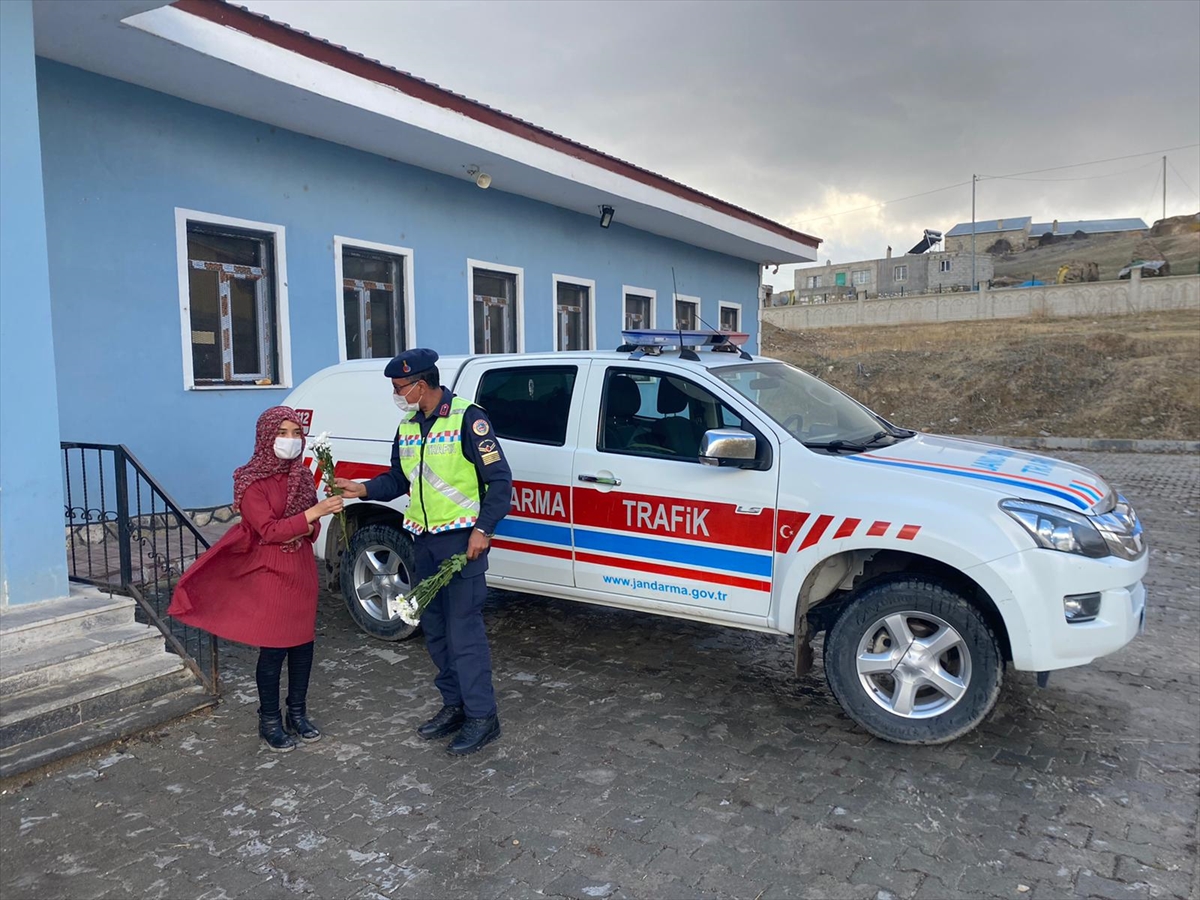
{"points": [[270, 668], [453, 623]]}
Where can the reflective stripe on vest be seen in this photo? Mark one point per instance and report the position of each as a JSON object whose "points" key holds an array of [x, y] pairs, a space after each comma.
{"points": [[444, 492]]}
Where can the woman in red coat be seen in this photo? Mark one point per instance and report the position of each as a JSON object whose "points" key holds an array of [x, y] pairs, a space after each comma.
{"points": [[258, 584]]}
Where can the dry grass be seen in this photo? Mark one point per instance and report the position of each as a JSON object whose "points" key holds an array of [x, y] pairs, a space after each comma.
{"points": [[1113, 377], [1111, 253]]}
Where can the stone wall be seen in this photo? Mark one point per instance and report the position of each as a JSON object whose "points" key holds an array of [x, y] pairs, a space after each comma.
{"points": [[1101, 298]]}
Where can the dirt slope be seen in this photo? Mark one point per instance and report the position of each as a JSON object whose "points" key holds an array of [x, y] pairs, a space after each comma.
{"points": [[1116, 377], [1111, 253]]}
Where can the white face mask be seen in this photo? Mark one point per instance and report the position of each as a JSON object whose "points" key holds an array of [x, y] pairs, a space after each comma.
{"points": [[288, 448], [403, 405]]}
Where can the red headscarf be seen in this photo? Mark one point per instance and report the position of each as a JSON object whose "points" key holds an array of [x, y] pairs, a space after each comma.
{"points": [[264, 463]]}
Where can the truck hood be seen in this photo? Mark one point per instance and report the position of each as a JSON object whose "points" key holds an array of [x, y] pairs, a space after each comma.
{"points": [[1011, 473]]}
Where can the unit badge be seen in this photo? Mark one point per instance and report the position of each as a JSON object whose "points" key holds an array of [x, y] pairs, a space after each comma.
{"points": [[404, 365], [480, 428]]}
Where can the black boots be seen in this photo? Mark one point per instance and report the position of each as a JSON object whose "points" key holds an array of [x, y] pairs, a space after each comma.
{"points": [[297, 723], [447, 721], [270, 729], [475, 734]]}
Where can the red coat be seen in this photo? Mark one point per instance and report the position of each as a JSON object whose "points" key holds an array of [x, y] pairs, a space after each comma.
{"points": [[245, 588]]}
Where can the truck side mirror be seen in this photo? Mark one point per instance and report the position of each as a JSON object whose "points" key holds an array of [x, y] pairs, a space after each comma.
{"points": [[728, 447]]}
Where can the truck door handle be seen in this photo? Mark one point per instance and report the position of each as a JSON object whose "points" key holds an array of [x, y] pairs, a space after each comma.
{"points": [[597, 479]]}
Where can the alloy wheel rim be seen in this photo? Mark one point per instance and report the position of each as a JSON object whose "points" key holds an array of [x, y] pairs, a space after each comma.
{"points": [[379, 576], [913, 664]]}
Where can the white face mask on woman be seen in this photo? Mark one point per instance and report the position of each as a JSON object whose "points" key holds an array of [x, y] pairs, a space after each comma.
{"points": [[288, 448]]}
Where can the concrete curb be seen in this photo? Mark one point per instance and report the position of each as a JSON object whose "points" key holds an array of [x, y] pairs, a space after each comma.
{"points": [[1107, 445]]}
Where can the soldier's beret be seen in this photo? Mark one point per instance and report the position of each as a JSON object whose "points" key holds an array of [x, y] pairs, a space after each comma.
{"points": [[410, 362]]}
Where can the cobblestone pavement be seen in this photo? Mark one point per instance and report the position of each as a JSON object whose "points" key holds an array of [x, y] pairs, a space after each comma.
{"points": [[648, 757]]}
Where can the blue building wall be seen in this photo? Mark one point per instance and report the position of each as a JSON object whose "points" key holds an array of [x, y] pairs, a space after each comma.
{"points": [[119, 159], [33, 561]]}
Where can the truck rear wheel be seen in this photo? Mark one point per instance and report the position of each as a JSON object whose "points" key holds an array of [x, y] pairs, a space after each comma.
{"points": [[913, 662], [379, 566]]}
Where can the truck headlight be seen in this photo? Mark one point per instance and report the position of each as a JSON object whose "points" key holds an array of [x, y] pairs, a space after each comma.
{"points": [[1055, 528]]}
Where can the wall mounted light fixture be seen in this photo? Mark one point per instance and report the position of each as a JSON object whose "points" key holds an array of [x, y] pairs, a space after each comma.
{"points": [[482, 179], [606, 216]]}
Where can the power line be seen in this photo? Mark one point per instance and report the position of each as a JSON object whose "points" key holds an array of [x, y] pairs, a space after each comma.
{"points": [[1016, 176], [1181, 178], [1095, 162], [1073, 178], [847, 212], [1153, 193]]}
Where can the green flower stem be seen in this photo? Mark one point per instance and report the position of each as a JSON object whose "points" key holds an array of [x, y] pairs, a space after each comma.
{"points": [[325, 460], [426, 589]]}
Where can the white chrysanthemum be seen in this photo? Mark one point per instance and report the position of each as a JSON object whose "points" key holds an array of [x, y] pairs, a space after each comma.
{"points": [[320, 442], [409, 611]]}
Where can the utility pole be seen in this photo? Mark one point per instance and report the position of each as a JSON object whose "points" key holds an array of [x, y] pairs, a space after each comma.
{"points": [[974, 285], [1164, 187]]}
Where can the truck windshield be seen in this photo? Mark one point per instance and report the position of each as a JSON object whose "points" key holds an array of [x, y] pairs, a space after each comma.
{"points": [[808, 408]]}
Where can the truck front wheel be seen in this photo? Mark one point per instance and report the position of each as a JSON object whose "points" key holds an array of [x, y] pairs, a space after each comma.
{"points": [[913, 662], [379, 566]]}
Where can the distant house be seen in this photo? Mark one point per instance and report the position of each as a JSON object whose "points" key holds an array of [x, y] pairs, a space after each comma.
{"points": [[1045, 232], [988, 233], [914, 273]]}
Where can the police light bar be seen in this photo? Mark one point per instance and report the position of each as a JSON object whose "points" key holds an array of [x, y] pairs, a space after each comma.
{"points": [[654, 340], [666, 337]]}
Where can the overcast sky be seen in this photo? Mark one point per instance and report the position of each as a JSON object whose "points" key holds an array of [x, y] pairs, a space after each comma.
{"points": [[801, 110]]}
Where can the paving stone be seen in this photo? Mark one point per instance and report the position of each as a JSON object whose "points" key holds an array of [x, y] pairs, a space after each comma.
{"points": [[1175, 883], [1107, 889], [692, 738]]}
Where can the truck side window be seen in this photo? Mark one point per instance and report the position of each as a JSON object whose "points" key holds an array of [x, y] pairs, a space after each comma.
{"points": [[529, 403], [650, 414]]}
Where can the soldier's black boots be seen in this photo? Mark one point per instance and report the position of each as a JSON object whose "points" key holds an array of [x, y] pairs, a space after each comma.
{"points": [[447, 721], [475, 734], [298, 723], [270, 729]]}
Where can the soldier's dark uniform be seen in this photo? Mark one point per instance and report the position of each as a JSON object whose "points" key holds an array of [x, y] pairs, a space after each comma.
{"points": [[453, 622]]}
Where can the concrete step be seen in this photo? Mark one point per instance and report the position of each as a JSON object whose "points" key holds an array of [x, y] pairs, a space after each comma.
{"points": [[115, 726], [43, 711], [84, 612], [73, 659]]}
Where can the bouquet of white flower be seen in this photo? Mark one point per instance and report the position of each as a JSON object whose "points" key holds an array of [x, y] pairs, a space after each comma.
{"points": [[410, 606], [323, 453]]}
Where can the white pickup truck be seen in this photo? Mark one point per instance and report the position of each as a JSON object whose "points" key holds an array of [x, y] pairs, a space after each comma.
{"points": [[744, 492]]}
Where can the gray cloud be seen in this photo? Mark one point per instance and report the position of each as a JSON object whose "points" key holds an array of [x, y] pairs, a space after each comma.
{"points": [[800, 109]]}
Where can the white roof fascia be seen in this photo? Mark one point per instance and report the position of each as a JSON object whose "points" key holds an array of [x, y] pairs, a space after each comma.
{"points": [[285, 66]]}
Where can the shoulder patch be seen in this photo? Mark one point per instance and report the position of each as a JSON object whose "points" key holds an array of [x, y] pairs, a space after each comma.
{"points": [[480, 427]]}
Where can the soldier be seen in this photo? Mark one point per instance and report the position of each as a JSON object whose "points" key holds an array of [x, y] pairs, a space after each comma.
{"points": [[447, 458]]}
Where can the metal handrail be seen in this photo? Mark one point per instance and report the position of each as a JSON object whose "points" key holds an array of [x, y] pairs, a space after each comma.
{"points": [[152, 585]]}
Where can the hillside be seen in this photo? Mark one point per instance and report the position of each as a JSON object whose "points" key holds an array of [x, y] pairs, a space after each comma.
{"points": [[1111, 253], [1119, 377]]}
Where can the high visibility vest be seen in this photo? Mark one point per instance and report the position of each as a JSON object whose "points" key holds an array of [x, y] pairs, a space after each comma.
{"points": [[444, 492]]}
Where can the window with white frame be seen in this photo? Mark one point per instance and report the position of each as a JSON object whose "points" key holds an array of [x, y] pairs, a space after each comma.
{"points": [[944, 265], [862, 276], [687, 313], [573, 313], [900, 273], [814, 281], [731, 316], [374, 307], [639, 311], [232, 304], [495, 301]]}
